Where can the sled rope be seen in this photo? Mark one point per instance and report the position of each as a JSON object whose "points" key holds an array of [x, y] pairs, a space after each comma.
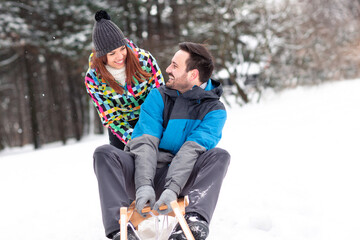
{"points": [[156, 225]]}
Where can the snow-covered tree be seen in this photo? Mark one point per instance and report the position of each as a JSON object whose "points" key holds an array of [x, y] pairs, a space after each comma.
{"points": [[47, 42], [234, 33], [310, 41]]}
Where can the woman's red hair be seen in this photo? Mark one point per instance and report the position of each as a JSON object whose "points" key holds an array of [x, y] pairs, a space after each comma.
{"points": [[133, 69]]}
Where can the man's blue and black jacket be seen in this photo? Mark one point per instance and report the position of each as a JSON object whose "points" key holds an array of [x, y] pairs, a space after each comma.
{"points": [[175, 129]]}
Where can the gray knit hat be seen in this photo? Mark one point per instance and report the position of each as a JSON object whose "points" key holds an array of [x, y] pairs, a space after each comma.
{"points": [[106, 35]]}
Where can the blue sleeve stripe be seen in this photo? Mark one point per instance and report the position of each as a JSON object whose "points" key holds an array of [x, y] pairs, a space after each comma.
{"points": [[208, 133]]}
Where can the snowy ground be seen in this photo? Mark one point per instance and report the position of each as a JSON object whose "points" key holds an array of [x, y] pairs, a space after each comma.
{"points": [[294, 175]]}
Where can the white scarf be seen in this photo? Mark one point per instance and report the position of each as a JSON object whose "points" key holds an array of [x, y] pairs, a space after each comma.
{"points": [[118, 74]]}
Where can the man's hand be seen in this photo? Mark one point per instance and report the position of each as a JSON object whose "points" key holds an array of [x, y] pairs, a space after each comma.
{"points": [[166, 198], [144, 194]]}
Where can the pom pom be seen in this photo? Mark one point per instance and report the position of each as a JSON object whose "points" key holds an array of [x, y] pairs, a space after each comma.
{"points": [[101, 15]]}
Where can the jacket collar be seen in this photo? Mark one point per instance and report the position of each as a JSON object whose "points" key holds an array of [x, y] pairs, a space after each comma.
{"points": [[213, 90]]}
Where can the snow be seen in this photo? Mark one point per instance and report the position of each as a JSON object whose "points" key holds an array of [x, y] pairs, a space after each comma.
{"points": [[293, 175], [244, 69]]}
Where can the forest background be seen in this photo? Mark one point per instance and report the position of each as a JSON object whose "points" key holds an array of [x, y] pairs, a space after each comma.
{"points": [[257, 45]]}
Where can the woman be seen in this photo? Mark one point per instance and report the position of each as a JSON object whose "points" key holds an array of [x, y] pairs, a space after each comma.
{"points": [[119, 78]]}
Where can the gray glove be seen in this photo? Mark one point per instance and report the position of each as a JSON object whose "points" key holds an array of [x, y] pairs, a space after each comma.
{"points": [[144, 194], [166, 198]]}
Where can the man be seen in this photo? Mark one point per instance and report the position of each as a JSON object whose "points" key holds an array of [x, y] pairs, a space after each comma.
{"points": [[172, 152]]}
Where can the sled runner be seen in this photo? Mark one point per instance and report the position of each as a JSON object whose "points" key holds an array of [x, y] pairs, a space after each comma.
{"points": [[130, 214]]}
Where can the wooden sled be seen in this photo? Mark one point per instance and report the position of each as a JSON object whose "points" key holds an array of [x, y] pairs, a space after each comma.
{"points": [[130, 214]]}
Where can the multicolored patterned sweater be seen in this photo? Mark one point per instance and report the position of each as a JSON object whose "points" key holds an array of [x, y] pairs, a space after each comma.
{"points": [[115, 110]]}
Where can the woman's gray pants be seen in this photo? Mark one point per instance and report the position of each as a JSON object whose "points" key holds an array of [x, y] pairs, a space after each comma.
{"points": [[115, 169]]}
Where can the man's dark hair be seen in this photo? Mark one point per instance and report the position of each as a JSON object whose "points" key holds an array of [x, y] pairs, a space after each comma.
{"points": [[200, 59]]}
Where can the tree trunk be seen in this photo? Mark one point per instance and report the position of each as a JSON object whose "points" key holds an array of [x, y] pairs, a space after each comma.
{"points": [[72, 96], [240, 91], [30, 82], [21, 108], [57, 108]]}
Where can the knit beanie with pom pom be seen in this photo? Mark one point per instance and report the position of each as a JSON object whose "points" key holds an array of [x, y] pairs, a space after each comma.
{"points": [[106, 35]]}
